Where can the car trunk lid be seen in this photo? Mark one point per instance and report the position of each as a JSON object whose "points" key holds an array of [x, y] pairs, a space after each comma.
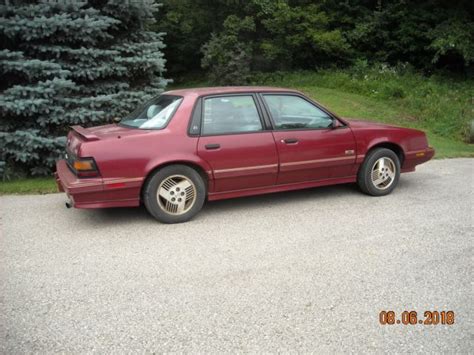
{"points": [[80, 135]]}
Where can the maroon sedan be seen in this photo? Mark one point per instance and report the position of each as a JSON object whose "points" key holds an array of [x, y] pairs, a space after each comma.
{"points": [[186, 146]]}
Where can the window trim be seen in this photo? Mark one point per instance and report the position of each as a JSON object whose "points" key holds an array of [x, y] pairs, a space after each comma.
{"points": [[265, 116], [195, 118], [311, 102], [253, 95]]}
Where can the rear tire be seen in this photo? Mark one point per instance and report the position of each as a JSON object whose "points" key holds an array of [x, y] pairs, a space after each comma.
{"points": [[174, 194], [379, 173]]}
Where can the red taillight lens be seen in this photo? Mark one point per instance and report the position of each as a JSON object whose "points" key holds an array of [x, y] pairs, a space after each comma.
{"points": [[85, 167]]}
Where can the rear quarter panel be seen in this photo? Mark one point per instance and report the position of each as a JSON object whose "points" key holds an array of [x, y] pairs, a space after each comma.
{"points": [[125, 162]]}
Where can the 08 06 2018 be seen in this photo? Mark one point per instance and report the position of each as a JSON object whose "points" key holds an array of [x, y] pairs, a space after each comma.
{"points": [[412, 318]]}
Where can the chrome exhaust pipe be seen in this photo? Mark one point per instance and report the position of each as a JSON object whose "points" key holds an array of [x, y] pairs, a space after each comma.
{"points": [[68, 204]]}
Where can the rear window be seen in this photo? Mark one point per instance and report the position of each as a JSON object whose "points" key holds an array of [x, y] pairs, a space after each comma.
{"points": [[154, 114]]}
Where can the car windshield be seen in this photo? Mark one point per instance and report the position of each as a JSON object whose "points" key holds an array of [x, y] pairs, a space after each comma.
{"points": [[154, 114]]}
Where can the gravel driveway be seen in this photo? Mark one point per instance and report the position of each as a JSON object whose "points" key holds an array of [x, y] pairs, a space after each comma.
{"points": [[306, 271]]}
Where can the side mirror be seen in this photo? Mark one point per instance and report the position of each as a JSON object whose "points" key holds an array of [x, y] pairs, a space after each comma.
{"points": [[334, 124], [117, 119]]}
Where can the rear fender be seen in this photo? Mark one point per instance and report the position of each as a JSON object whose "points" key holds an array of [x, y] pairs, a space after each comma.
{"points": [[190, 160]]}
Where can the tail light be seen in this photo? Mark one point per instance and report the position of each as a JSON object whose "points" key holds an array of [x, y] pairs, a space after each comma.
{"points": [[85, 167]]}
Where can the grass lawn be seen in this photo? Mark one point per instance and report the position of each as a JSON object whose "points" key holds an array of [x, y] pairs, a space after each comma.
{"points": [[28, 186], [436, 107]]}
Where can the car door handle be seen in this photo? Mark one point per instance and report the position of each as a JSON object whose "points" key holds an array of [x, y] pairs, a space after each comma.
{"points": [[289, 141], [212, 146]]}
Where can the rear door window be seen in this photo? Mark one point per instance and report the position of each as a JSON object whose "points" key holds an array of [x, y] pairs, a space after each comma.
{"points": [[230, 114]]}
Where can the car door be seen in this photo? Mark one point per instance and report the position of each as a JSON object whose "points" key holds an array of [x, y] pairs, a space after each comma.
{"points": [[312, 145], [235, 143]]}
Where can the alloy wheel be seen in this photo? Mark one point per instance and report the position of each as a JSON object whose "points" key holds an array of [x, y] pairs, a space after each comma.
{"points": [[176, 195], [383, 173]]}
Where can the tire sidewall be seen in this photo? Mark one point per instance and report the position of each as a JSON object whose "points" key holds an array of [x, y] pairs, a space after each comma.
{"points": [[151, 188], [367, 171]]}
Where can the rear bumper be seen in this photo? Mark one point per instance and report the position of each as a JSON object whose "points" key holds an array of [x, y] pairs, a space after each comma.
{"points": [[71, 184], [79, 191], [96, 192]]}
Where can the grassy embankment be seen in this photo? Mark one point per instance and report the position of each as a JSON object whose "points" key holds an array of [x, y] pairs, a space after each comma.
{"points": [[440, 106]]}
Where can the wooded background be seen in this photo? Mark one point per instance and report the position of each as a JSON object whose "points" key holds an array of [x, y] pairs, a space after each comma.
{"points": [[232, 38]]}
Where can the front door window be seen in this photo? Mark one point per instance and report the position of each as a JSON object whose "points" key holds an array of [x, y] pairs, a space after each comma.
{"points": [[294, 112]]}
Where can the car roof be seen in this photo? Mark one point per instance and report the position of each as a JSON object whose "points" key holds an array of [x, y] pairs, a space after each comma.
{"points": [[226, 90]]}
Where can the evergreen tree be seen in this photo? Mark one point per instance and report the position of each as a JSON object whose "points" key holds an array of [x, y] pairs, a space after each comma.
{"points": [[65, 63]]}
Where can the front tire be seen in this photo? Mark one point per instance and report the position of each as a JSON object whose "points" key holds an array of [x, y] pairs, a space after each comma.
{"points": [[174, 194], [379, 173]]}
